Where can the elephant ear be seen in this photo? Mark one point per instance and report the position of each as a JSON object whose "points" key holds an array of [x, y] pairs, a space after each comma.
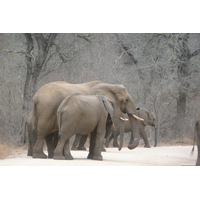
{"points": [[109, 90], [109, 106]]}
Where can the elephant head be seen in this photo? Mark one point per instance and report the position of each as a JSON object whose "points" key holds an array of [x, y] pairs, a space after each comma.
{"points": [[122, 103], [148, 117]]}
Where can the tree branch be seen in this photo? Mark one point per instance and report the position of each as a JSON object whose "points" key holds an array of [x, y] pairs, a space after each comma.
{"points": [[126, 49], [195, 53], [85, 37], [11, 51]]}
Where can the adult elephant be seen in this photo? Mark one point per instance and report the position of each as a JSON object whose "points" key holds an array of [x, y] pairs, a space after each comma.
{"points": [[84, 114], [148, 119], [48, 98]]}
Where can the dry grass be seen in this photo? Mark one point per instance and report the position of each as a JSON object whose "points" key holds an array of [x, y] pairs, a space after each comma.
{"points": [[5, 151]]}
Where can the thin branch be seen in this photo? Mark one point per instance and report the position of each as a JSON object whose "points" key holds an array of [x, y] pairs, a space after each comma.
{"points": [[11, 51], [85, 37], [195, 53]]}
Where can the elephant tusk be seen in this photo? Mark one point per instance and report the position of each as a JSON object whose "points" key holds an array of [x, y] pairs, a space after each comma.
{"points": [[124, 119], [136, 117]]}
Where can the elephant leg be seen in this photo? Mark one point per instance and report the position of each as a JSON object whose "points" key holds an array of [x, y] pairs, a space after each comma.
{"points": [[76, 141], [30, 145], [82, 143], [51, 141], [108, 139], [131, 139], [92, 144], [144, 137], [40, 135], [62, 150], [103, 149], [100, 135], [66, 151], [198, 145], [115, 135], [38, 148], [198, 157], [30, 150], [58, 153]]}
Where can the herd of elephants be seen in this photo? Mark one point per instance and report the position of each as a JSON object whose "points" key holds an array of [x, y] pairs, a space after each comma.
{"points": [[99, 110]]}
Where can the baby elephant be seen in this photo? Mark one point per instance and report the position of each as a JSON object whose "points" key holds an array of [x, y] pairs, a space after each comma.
{"points": [[149, 119], [84, 114]]}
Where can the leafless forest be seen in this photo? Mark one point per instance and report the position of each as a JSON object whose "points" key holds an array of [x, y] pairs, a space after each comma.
{"points": [[160, 71]]}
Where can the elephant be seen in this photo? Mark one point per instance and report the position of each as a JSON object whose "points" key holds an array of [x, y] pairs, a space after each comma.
{"points": [[197, 138], [48, 98], [149, 119], [51, 139], [83, 114]]}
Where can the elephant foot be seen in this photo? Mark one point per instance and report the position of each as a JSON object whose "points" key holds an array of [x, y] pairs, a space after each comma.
{"points": [[69, 157], [29, 154], [50, 155], [103, 149], [58, 157], [82, 148], [115, 145], [90, 156], [134, 144], [74, 149], [97, 157], [147, 146], [39, 155]]}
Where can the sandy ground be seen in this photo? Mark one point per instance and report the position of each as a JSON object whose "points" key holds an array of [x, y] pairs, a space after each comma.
{"points": [[154, 156]]}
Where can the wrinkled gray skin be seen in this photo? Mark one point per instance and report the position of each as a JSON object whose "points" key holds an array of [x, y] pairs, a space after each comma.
{"points": [[149, 119], [83, 114], [197, 137], [48, 98]]}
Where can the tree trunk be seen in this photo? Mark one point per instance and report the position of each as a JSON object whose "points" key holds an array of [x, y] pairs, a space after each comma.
{"points": [[35, 59]]}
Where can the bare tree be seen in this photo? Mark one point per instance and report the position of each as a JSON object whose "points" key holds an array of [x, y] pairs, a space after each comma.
{"points": [[35, 58], [182, 56]]}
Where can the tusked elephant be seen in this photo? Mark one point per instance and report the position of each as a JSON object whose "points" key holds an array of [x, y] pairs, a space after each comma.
{"points": [[48, 98], [197, 138], [83, 114], [149, 119]]}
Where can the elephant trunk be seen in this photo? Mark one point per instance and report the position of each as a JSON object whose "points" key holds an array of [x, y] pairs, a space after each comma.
{"points": [[121, 132], [134, 130]]}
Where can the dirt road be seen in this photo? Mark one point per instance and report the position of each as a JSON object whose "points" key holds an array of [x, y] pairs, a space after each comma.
{"points": [[154, 156]]}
